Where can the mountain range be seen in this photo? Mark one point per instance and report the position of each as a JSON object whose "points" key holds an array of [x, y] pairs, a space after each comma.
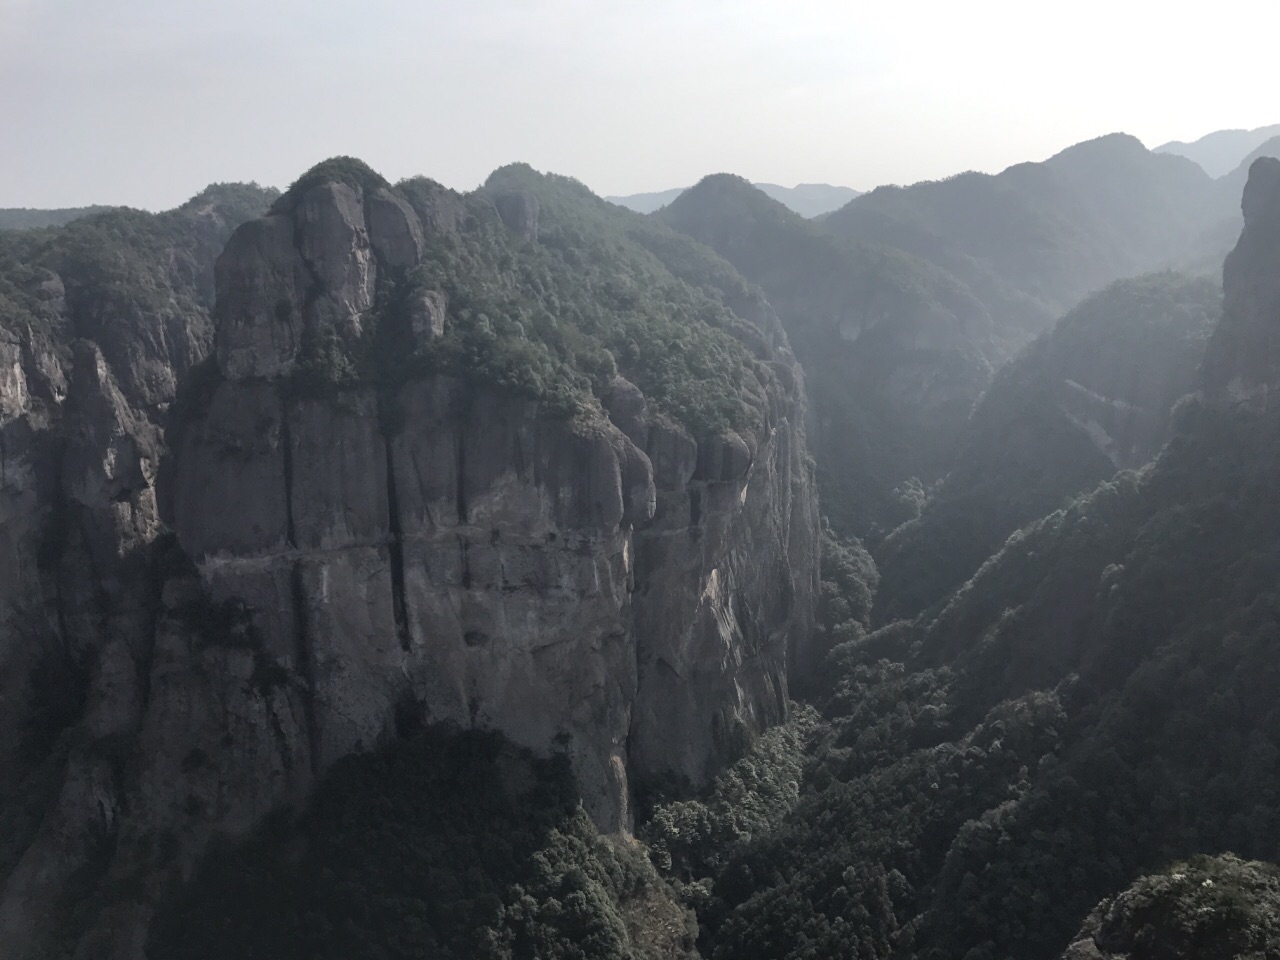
{"points": [[1222, 151], [393, 572], [21, 218]]}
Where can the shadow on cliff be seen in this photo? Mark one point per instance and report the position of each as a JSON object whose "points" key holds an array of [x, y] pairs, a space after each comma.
{"points": [[449, 843]]}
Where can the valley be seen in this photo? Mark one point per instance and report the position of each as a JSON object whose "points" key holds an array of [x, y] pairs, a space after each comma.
{"points": [[390, 571]]}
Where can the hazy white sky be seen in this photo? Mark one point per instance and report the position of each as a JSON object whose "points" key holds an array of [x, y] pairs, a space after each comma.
{"points": [[144, 101]]}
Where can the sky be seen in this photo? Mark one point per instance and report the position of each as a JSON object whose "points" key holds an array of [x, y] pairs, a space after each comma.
{"points": [[143, 102]]}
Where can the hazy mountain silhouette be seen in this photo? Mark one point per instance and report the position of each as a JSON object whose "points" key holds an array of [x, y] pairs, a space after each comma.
{"points": [[806, 199], [25, 218], [1220, 152], [1031, 241], [1232, 184]]}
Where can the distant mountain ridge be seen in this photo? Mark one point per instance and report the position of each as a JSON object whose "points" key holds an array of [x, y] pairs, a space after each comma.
{"points": [[26, 218], [807, 199], [1032, 241], [1222, 151]]}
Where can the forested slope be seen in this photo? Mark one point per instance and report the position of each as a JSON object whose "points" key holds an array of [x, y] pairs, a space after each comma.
{"points": [[1092, 396], [1092, 706]]}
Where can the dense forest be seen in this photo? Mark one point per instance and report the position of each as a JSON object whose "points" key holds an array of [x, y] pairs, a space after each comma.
{"points": [[1032, 712], [1089, 707]]}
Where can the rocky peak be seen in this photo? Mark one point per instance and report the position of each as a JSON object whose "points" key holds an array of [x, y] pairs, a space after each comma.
{"points": [[440, 210], [311, 269], [1242, 363], [1261, 201]]}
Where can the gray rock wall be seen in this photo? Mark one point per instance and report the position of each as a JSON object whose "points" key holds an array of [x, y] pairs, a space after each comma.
{"points": [[1242, 363]]}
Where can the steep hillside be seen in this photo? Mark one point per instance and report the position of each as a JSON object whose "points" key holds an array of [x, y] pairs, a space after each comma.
{"points": [[515, 461], [1032, 241], [895, 350], [1222, 151], [1090, 397], [1093, 705]]}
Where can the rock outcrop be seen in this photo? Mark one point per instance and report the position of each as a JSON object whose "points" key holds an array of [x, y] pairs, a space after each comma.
{"points": [[1242, 363], [327, 543]]}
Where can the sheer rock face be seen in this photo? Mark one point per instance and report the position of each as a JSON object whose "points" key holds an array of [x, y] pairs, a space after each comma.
{"points": [[314, 268], [80, 490], [475, 567], [1242, 364], [484, 563], [358, 563]]}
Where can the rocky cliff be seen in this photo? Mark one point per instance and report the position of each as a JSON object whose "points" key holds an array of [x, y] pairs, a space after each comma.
{"points": [[476, 460], [98, 321], [1242, 363]]}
